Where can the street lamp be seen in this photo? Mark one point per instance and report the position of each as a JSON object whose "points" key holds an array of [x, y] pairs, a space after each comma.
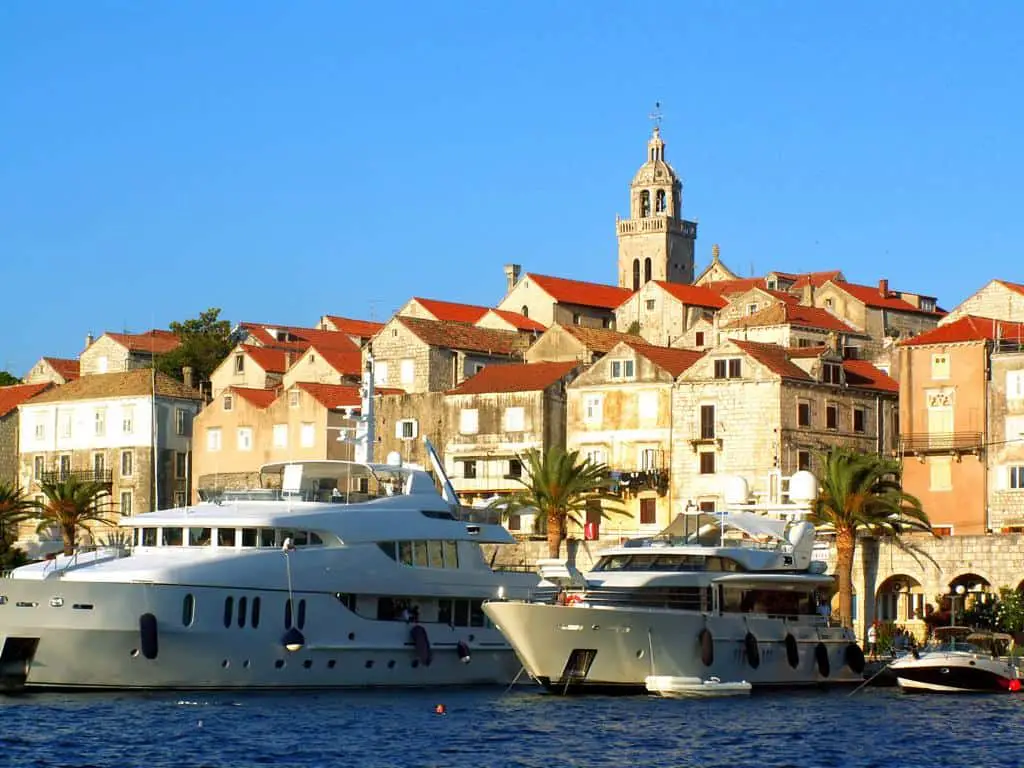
{"points": [[958, 592]]}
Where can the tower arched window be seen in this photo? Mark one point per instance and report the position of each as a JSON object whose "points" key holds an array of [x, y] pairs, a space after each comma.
{"points": [[659, 201], [645, 204], [636, 274], [647, 270], [525, 311]]}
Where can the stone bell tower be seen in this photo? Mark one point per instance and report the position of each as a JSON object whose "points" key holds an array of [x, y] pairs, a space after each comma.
{"points": [[655, 242]]}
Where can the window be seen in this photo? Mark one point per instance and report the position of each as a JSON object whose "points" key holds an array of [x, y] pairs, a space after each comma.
{"points": [[1017, 477], [407, 371], [280, 436], [828, 303], [469, 469], [707, 463], [37, 467], [730, 368], [229, 402], [858, 420], [99, 421], [1014, 385], [803, 461], [940, 366], [126, 502], [515, 419], [735, 368], [803, 414], [244, 438], [99, 465], [647, 406], [524, 311], [576, 318], [707, 422], [180, 422], [40, 430], [213, 439], [475, 368], [832, 416], [699, 339], [307, 434], [648, 458], [239, 363], [127, 420], [127, 460], [180, 465], [622, 369], [65, 465], [940, 473], [294, 398], [380, 374], [406, 429], [650, 305], [595, 455], [751, 309], [515, 468], [592, 405], [65, 423], [831, 373], [468, 421], [648, 509]]}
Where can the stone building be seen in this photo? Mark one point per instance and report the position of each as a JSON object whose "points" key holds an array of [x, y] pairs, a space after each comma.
{"points": [[325, 365], [10, 398], [550, 300], [252, 367], [113, 352], [574, 342], [998, 300], [670, 314], [57, 370], [442, 311], [359, 331], [1005, 438], [795, 325], [496, 416], [131, 429], [620, 414], [655, 242]]}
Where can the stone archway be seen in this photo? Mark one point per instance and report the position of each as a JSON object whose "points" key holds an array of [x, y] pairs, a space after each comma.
{"points": [[900, 599]]}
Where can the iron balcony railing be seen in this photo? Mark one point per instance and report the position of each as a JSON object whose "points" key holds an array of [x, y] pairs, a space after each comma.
{"points": [[84, 475], [940, 442]]}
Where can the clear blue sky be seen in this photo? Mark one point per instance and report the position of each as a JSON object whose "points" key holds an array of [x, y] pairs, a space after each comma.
{"points": [[282, 160]]}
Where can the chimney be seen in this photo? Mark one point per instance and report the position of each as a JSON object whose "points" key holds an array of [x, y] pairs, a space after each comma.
{"points": [[89, 340], [808, 295], [187, 377], [883, 287], [511, 276]]}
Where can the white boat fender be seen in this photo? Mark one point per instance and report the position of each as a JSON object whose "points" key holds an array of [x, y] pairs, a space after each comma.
{"points": [[419, 638], [854, 658], [463, 650], [821, 656], [707, 647], [792, 651], [752, 650], [148, 637]]}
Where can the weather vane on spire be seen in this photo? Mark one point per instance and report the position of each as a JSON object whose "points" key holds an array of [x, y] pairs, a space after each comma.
{"points": [[656, 115]]}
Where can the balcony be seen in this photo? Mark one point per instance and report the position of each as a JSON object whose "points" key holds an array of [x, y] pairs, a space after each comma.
{"points": [[706, 437], [938, 443], [651, 477], [84, 475]]}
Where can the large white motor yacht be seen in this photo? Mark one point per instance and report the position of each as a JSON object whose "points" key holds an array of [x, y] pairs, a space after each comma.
{"points": [[336, 574], [736, 600]]}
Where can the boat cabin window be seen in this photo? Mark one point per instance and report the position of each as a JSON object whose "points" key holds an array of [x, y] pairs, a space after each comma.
{"points": [[770, 602], [226, 538], [250, 537], [668, 562], [423, 554], [149, 537], [172, 537], [199, 537]]}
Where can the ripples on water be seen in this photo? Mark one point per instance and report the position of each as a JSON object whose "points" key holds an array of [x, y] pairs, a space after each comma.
{"points": [[875, 727]]}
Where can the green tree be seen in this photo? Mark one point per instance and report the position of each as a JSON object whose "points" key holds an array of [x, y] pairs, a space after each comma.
{"points": [[69, 504], [205, 342], [559, 488], [7, 379], [1010, 611], [15, 506], [861, 494]]}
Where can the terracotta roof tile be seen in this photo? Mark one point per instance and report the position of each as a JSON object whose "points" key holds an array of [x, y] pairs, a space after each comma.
{"points": [[69, 369], [1012, 286], [967, 328], [872, 297], [270, 360], [515, 377], [739, 285], [861, 373], [693, 295], [598, 339], [332, 395], [518, 321], [671, 359], [817, 279], [300, 338], [345, 363], [156, 341], [580, 293], [16, 394], [453, 335], [261, 398], [793, 314], [452, 311], [362, 328], [134, 383], [773, 357]]}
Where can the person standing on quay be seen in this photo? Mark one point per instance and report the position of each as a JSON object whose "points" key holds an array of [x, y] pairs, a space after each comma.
{"points": [[873, 642]]}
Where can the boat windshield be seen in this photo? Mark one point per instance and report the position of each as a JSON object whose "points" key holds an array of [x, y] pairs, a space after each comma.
{"points": [[335, 482], [966, 640]]}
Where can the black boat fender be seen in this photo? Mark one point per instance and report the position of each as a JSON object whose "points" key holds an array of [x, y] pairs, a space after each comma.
{"points": [[148, 636], [752, 650], [821, 657], [854, 658], [422, 643], [463, 650], [792, 651], [707, 647]]}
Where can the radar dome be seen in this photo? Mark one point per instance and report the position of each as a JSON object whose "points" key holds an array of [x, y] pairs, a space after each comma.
{"points": [[395, 459], [735, 490], [803, 487]]}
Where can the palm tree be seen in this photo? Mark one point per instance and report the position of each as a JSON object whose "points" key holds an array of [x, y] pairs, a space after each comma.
{"points": [[861, 493], [559, 487], [15, 506], [69, 504]]}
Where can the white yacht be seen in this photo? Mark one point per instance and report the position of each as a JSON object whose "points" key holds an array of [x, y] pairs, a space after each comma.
{"points": [[348, 574], [961, 660], [737, 600]]}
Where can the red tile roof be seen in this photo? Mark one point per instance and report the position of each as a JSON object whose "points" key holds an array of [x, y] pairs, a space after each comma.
{"points": [[817, 279], [739, 285], [693, 295], [518, 377], [361, 328], [156, 341], [451, 311], [518, 321], [1012, 286], [69, 369], [137, 382], [332, 395], [270, 360], [452, 335], [862, 374], [598, 339], [872, 297], [582, 294], [261, 398], [344, 362], [968, 328], [673, 360], [300, 338], [773, 357], [793, 314], [16, 394]]}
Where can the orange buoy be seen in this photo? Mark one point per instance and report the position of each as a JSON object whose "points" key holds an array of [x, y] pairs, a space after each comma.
{"points": [[441, 709]]}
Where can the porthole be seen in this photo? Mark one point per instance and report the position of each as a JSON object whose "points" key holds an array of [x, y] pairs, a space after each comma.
{"points": [[351, 635], [415, 663], [302, 614], [245, 664], [279, 663], [134, 652], [229, 610], [369, 663], [188, 610], [331, 663], [255, 613], [307, 663], [640, 653], [391, 664], [225, 663], [243, 608]]}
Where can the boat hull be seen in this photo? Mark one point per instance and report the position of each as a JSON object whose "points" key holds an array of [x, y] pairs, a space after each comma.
{"points": [[955, 673], [579, 648], [62, 634]]}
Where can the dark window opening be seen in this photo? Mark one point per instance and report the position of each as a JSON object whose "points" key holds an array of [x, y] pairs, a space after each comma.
{"points": [[858, 420], [229, 610], [832, 417], [707, 463], [707, 422], [803, 414], [648, 514]]}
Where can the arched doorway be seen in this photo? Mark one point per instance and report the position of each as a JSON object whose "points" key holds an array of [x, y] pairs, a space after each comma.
{"points": [[900, 599]]}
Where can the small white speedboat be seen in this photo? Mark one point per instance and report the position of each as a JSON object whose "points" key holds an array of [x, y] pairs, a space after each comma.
{"points": [[692, 687]]}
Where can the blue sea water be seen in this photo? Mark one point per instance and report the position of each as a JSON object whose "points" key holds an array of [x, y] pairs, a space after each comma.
{"points": [[522, 728]]}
